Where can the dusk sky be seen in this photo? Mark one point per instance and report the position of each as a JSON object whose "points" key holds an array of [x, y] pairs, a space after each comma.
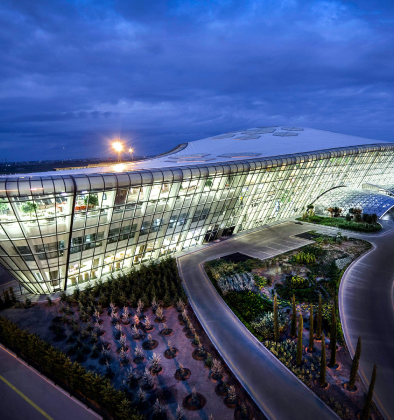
{"points": [[76, 74]]}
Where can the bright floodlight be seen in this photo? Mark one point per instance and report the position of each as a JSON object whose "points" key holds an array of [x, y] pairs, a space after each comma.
{"points": [[130, 150], [118, 146]]}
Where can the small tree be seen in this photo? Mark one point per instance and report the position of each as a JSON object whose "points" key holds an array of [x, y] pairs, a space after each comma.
{"points": [[29, 207], [368, 401], [158, 408], [155, 362], [3, 206], [322, 377], [293, 319], [217, 368], [139, 353], [333, 338], [276, 319], [299, 342], [142, 396], [232, 394], [311, 340], [180, 305], [180, 413], [355, 363], [91, 200], [331, 211], [159, 313], [319, 320]]}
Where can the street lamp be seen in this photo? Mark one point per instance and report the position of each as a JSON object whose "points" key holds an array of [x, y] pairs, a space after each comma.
{"points": [[131, 152], [118, 146]]}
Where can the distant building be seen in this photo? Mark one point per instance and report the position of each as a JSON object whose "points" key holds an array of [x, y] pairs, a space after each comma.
{"points": [[60, 229]]}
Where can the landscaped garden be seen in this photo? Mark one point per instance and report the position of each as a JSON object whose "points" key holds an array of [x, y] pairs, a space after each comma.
{"points": [[277, 298], [131, 348], [354, 220]]}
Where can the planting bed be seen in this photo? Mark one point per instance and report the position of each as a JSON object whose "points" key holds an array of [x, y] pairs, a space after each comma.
{"points": [[154, 370], [248, 288]]}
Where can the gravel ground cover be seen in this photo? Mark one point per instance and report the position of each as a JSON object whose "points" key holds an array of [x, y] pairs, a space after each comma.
{"points": [[159, 355]]}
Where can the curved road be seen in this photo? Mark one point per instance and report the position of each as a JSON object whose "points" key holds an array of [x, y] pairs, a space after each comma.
{"points": [[26, 395], [366, 304], [278, 393]]}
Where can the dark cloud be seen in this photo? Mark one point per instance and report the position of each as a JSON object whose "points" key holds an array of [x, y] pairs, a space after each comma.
{"points": [[73, 75]]}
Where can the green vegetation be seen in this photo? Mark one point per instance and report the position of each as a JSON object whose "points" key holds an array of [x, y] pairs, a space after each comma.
{"points": [[304, 258], [299, 340], [355, 363], [276, 320], [298, 282], [73, 377], [333, 339], [322, 378], [342, 223], [300, 288], [3, 206], [91, 200], [368, 400], [319, 320], [222, 268], [159, 281], [248, 306], [293, 318], [260, 281], [29, 207], [7, 299], [311, 339]]}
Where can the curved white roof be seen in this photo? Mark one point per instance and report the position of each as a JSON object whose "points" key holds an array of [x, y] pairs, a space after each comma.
{"points": [[260, 142], [237, 145]]}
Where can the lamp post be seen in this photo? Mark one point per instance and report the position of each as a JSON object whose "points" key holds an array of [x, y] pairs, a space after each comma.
{"points": [[118, 146], [131, 152]]}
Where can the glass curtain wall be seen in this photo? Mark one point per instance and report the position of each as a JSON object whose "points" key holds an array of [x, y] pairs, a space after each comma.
{"points": [[63, 231]]}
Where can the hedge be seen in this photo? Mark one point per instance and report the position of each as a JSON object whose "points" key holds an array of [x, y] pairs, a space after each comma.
{"points": [[90, 387], [343, 224]]}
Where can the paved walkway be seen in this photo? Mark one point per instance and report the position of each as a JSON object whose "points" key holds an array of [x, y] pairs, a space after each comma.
{"points": [[26, 395], [366, 304], [278, 393]]}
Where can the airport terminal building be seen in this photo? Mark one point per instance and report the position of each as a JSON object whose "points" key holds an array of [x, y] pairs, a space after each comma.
{"points": [[64, 228]]}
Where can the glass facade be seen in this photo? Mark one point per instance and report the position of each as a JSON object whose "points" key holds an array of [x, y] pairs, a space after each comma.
{"points": [[345, 198], [63, 230]]}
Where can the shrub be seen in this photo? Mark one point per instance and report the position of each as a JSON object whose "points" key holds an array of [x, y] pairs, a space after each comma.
{"points": [[304, 258], [248, 304], [264, 324], [260, 281], [369, 225], [298, 282], [55, 364]]}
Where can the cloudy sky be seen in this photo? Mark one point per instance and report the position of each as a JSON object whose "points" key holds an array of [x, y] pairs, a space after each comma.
{"points": [[76, 74]]}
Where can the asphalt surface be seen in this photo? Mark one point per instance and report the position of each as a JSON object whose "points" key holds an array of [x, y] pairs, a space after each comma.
{"points": [[278, 393], [366, 304], [26, 395]]}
